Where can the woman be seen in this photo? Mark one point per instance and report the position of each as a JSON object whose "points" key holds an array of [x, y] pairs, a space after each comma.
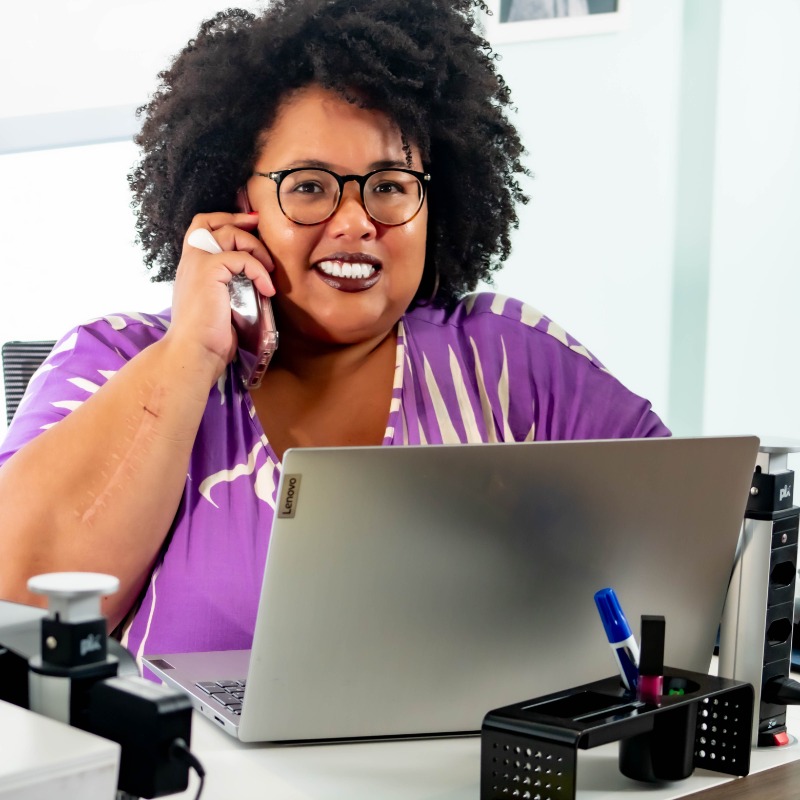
{"points": [[373, 147]]}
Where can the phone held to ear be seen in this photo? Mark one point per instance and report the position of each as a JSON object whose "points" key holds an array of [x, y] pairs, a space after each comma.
{"points": [[254, 323], [251, 315]]}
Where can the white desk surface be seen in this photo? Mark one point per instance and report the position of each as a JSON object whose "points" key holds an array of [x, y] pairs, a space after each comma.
{"points": [[42, 759], [444, 769]]}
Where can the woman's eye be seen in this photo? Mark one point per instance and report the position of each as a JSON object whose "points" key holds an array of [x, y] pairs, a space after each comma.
{"points": [[389, 187], [308, 187]]}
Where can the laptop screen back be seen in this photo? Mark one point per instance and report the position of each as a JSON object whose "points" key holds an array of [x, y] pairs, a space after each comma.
{"points": [[410, 590]]}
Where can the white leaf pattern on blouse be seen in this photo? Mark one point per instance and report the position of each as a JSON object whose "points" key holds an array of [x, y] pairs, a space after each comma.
{"points": [[116, 321], [137, 317], [486, 406], [140, 649], [530, 316], [121, 321], [532, 431], [557, 332], [229, 475], [67, 344], [83, 383], [266, 483], [69, 405], [502, 395], [90, 387], [579, 348], [446, 429], [464, 404], [499, 304]]}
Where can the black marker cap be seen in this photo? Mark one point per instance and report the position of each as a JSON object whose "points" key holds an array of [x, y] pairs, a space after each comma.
{"points": [[651, 655]]}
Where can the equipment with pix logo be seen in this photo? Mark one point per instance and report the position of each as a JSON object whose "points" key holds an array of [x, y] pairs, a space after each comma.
{"points": [[757, 622], [70, 676]]}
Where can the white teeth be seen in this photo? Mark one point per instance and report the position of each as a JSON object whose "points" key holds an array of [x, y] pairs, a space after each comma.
{"points": [[340, 269]]}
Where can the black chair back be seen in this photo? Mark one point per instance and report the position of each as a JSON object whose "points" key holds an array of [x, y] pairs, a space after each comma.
{"points": [[20, 361]]}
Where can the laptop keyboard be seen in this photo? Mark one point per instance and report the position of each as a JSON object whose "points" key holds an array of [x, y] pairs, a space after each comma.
{"points": [[227, 693]]}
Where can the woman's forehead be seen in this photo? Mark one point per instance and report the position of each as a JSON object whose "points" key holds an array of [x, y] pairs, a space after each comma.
{"points": [[314, 120]]}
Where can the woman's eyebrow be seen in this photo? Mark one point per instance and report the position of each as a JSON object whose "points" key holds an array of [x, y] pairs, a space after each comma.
{"points": [[311, 163], [389, 164]]}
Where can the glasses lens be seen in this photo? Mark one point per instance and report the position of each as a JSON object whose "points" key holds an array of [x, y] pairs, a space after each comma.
{"points": [[392, 197], [308, 196]]}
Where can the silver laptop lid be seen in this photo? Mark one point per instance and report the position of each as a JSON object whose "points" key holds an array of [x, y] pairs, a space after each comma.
{"points": [[409, 590]]}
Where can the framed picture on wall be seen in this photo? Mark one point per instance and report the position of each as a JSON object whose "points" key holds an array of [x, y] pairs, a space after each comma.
{"points": [[526, 20]]}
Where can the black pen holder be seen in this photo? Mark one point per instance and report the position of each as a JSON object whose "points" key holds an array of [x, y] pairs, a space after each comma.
{"points": [[530, 750]]}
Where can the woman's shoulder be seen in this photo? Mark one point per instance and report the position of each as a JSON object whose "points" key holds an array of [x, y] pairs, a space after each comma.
{"points": [[131, 326], [486, 318], [531, 366], [121, 336], [80, 362]]}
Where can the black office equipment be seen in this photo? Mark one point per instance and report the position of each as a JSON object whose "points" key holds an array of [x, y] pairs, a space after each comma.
{"points": [[530, 749], [757, 621], [59, 664]]}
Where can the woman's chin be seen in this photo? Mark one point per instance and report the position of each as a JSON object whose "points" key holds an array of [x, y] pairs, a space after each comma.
{"points": [[355, 323]]}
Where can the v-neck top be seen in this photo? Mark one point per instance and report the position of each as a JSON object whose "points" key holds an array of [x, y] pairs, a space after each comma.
{"points": [[489, 369]]}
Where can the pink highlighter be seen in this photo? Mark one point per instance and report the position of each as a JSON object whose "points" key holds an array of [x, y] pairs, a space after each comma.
{"points": [[650, 687]]}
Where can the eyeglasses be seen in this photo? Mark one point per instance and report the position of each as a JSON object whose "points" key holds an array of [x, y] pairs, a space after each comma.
{"points": [[310, 196]]}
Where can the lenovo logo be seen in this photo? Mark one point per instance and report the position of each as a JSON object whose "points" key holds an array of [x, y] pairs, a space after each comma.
{"points": [[290, 493]]}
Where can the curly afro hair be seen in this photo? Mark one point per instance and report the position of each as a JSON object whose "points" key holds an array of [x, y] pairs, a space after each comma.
{"points": [[421, 62]]}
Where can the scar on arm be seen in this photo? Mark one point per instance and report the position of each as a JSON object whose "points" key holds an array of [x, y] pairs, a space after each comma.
{"points": [[141, 433]]}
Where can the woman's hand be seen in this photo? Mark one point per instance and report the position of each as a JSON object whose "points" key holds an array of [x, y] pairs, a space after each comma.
{"points": [[201, 314]]}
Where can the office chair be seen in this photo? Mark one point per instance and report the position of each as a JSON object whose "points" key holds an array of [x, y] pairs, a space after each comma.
{"points": [[20, 361]]}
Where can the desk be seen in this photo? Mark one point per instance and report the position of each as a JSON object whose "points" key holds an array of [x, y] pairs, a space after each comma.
{"points": [[41, 758], [446, 769], [779, 783]]}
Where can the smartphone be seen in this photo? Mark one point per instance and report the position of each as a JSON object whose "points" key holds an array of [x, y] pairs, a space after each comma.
{"points": [[253, 321]]}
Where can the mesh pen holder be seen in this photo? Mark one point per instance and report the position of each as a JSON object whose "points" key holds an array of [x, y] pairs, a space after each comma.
{"points": [[529, 750]]}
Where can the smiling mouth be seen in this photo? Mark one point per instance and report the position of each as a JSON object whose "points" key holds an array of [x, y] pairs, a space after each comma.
{"points": [[345, 269], [348, 275]]}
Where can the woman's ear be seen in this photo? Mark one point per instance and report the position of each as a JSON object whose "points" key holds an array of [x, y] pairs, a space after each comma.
{"points": [[243, 201]]}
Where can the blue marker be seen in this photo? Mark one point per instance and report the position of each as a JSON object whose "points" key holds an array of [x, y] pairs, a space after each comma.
{"points": [[623, 645]]}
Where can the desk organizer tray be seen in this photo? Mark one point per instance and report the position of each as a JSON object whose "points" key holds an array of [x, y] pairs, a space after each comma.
{"points": [[529, 750]]}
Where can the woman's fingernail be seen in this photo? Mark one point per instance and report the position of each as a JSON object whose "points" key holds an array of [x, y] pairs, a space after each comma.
{"points": [[253, 213]]}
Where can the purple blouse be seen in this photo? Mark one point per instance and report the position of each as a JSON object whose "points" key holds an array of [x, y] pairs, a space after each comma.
{"points": [[490, 370]]}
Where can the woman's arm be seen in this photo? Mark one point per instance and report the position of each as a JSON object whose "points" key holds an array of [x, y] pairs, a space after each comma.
{"points": [[98, 491]]}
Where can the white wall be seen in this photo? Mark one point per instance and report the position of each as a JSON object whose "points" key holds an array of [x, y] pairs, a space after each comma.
{"points": [[83, 54], [754, 319], [68, 253], [595, 245], [663, 230], [601, 248]]}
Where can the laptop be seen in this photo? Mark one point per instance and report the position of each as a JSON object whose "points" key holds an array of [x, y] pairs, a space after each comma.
{"points": [[454, 579]]}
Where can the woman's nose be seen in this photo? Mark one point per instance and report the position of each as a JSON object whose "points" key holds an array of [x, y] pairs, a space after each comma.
{"points": [[351, 218]]}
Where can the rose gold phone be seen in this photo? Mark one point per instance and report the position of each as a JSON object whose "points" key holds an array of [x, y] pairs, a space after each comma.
{"points": [[251, 314]]}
